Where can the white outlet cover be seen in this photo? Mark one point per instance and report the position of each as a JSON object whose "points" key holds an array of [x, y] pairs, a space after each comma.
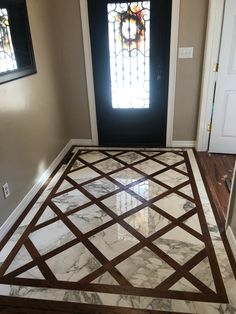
{"points": [[185, 52], [6, 190]]}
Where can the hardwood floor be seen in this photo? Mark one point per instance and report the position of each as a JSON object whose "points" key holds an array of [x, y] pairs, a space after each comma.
{"points": [[217, 168]]}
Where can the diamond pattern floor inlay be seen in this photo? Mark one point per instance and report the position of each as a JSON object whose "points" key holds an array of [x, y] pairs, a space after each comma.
{"points": [[130, 228]]}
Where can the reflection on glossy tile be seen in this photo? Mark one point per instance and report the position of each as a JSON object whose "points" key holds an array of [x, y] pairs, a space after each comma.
{"points": [[126, 176], [149, 167], [89, 218], [73, 264], [175, 205], [50, 237], [70, 200], [100, 187], [83, 175], [171, 178], [130, 157], [147, 221], [179, 244], [148, 189], [108, 165], [92, 156], [113, 241], [121, 203], [145, 269], [169, 158]]}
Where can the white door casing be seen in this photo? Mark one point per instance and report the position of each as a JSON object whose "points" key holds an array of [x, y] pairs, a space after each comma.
{"points": [[172, 69], [223, 133]]}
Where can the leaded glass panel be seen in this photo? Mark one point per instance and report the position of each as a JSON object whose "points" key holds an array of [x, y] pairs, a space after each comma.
{"points": [[129, 46], [7, 55]]}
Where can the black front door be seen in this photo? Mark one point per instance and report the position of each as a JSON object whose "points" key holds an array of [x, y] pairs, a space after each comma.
{"points": [[130, 44]]}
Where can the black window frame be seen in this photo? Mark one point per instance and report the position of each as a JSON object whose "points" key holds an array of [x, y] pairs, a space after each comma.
{"points": [[30, 69]]}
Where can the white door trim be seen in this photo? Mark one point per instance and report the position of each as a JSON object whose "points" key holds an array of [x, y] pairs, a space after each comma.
{"points": [[172, 71], [89, 70], [212, 49]]}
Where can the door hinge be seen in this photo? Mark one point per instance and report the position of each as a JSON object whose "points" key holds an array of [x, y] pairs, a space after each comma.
{"points": [[209, 127], [216, 67]]}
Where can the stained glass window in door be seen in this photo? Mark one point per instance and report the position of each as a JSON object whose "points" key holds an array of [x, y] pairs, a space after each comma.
{"points": [[7, 55], [129, 47]]}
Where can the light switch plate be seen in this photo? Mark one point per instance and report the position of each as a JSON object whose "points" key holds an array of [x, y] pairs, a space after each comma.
{"points": [[185, 52]]}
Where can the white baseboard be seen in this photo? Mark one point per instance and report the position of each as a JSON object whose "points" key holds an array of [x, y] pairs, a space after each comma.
{"points": [[30, 195], [232, 240], [81, 142], [184, 144]]}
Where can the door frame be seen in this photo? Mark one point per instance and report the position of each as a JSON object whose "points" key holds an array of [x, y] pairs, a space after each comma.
{"points": [[172, 70], [209, 76]]}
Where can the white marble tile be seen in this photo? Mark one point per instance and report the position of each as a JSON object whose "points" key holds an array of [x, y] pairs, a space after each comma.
{"points": [[70, 200], [73, 264], [77, 164], [175, 205], [64, 186], [83, 175], [130, 157], [182, 167], [179, 244], [126, 176], [121, 202], [108, 165], [113, 241], [33, 273], [100, 187], [148, 189], [22, 257], [139, 302], [184, 285], [50, 237], [147, 221], [145, 269], [194, 223], [89, 218], [203, 272], [187, 190], [171, 178], [92, 156], [105, 279], [46, 215], [169, 158], [149, 167], [113, 152]]}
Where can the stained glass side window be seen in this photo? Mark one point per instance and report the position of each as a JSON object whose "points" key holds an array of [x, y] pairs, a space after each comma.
{"points": [[7, 55], [129, 47]]}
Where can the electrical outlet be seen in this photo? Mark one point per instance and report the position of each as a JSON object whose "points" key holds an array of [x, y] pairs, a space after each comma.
{"points": [[6, 190]]}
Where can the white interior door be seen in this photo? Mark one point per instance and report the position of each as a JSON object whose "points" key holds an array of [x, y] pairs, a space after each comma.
{"points": [[223, 134]]}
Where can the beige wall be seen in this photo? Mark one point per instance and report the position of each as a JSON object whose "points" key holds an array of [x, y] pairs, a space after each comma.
{"points": [[72, 66], [192, 30], [32, 129]]}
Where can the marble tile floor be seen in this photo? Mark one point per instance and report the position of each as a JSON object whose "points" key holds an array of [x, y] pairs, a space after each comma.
{"points": [[121, 228]]}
